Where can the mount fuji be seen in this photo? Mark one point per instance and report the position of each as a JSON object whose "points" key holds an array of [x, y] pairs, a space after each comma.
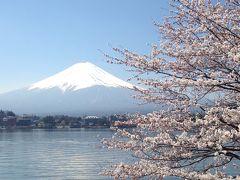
{"points": [[81, 89]]}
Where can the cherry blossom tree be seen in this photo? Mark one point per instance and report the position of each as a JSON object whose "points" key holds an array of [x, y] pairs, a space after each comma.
{"points": [[195, 74]]}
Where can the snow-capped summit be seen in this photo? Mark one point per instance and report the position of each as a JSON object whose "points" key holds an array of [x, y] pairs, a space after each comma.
{"points": [[80, 76]]}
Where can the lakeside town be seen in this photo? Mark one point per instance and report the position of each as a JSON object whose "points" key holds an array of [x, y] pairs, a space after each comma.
{"points": [[9, 120]]}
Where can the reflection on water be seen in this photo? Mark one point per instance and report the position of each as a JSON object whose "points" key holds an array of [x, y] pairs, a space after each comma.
{"points": [[54, 154]]}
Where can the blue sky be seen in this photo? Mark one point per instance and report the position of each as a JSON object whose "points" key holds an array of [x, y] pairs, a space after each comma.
{"points": [[39, 38]]}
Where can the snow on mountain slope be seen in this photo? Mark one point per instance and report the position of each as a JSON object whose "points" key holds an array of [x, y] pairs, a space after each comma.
{"points": [[80, 76]]}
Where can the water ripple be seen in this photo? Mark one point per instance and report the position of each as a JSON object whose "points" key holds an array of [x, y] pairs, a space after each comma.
{"points": [[57, 154]]}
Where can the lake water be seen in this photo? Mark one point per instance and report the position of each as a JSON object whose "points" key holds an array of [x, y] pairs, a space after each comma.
{"points": [[54, 154], [58, 154]]}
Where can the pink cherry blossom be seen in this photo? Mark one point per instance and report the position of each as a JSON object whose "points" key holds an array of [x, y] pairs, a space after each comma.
{"points": [[195, 74]]}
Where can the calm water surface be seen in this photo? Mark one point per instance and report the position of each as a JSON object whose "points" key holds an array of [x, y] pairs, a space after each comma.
{"points": [[58, 155], [54, 154]]}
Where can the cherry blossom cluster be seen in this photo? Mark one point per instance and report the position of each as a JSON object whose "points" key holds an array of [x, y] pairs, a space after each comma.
{"points": [[193, 75]]}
